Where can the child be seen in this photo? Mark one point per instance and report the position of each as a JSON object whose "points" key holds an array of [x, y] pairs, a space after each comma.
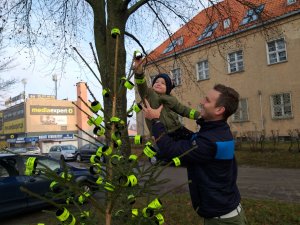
{"points": [[159, 94]]}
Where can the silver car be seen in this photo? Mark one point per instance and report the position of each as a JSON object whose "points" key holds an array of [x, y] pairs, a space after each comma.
{"points": [[63, 152]]}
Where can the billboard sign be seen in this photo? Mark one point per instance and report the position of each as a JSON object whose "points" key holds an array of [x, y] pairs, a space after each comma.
{"points": [[51, 110]]}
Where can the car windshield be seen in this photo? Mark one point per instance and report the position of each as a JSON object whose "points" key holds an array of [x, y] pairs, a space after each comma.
{"points": [[68, 148], [18, 150], [32, 148], [53, 165]]}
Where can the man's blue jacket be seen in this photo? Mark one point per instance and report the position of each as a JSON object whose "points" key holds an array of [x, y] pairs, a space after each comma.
{"points": [[211, 165]]}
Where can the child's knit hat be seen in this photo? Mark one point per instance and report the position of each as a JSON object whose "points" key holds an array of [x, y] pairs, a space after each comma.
{"points": [[169, 83]]}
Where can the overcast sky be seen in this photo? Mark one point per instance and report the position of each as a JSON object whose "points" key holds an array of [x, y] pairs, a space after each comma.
{"points": [[38, 73]]}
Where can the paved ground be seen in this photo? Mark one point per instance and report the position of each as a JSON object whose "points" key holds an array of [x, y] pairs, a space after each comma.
{"points": [[276, 184]]}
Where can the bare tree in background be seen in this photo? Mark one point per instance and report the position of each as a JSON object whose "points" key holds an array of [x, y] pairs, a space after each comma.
{"points": [[5, 83], [60, 24]]}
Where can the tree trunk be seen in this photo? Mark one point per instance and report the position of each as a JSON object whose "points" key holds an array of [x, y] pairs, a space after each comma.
{"points": [[112, 59]]}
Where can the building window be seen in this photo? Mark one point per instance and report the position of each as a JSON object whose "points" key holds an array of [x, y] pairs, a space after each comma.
{"points": [[202, 70], [276, 51], [235, 62], [152, 78], [173, 44], [176, 74], [208, 31], [281, 106], [241, 113], [252, 14], [289, 2], [226, 23]]}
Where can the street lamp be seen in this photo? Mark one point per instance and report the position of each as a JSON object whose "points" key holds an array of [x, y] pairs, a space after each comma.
{"points": [[54, 78], [24, 82]]}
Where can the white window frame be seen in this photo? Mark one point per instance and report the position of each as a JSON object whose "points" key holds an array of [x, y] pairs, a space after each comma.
{"points": [[209, 30], [290, 2], [151, 78], [238, 63], [176, 76], [202, 69], [252, 14], [277, 51], [173, 44], [283, 107], [226, 23], [242, 113]]}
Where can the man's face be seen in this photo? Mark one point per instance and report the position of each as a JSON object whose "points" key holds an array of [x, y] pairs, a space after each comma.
{"points": [[160, 86], [209, 111]]}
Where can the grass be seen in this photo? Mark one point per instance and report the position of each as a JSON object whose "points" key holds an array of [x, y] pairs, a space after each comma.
{"points": [[269, 157], [179, 211]]}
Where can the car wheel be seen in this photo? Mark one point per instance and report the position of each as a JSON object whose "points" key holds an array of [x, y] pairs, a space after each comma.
{"points": [[62, 158], [78, 158], [85, 186]]}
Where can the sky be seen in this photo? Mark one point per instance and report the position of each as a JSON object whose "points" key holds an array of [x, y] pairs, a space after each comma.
{"points": [[38, 72]]}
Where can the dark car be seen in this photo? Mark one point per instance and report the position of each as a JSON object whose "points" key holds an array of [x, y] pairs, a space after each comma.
{"points": [[85, 151], [12, 177]]}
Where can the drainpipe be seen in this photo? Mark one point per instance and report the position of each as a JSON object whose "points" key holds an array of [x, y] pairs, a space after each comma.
{"points": [[261, 111]]}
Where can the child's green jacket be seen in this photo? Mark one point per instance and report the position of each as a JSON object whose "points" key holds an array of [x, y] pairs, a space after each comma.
{"points": [[172, 107]]}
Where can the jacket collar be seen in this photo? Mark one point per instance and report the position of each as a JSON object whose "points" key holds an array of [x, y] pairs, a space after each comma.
{"points": [[210, 124]]}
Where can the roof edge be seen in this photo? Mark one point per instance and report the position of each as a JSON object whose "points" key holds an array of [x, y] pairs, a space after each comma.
{"points": [[257, 25]]}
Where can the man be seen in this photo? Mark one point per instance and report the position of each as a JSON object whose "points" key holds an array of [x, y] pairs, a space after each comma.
{"points": [[211, 165]]}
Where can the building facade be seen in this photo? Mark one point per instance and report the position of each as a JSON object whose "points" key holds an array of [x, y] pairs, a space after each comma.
{"points": [[43, 121], [253, 49]]}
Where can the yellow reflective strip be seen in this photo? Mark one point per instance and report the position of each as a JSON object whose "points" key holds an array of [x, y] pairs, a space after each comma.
{"points": [[140, 81], [155, 204], [160, 218], [192, 114], [149, 152], [176, 161], [133, 180], [64, 216]]}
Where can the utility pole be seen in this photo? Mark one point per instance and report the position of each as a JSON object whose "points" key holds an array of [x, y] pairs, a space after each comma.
{"points": [[54, 78], [24, 82]]}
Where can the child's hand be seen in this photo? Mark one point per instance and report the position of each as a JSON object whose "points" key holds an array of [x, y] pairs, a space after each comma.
{"points": [[138, 66]]}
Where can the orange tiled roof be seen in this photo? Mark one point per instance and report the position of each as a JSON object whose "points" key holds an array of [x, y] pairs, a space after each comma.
{"points": [[226, 9]]}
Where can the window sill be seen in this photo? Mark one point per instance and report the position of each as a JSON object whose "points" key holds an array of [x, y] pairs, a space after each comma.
{"points": [[203, 79], [240, 121], [271, 64], [240, 71], [283, 118]]}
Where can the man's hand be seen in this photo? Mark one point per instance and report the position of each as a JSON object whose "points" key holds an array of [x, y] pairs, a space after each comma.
{"points": [[150, 113]]}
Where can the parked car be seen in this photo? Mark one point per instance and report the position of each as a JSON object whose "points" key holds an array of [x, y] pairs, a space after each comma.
{"points": [[63, 152], [17, 150], [85, 151], [23, 150], [33, 150], [12, 177]]}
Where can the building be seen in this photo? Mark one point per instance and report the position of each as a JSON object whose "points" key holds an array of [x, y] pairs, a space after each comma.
{"points": [[254, 49], [41, 120]]}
